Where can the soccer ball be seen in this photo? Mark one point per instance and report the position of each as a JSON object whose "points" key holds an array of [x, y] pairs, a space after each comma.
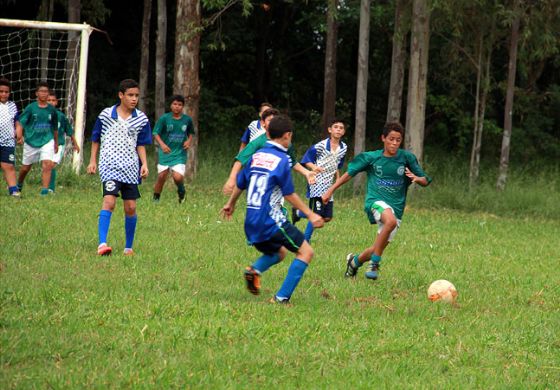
{"points": [[442, 290]]}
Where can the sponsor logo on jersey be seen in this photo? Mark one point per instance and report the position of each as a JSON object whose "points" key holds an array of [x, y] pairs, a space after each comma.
{"points": [[400, 171], [266, 161], [184, 128]]}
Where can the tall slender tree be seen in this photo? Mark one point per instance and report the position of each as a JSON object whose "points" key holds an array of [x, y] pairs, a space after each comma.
{"points": [[161, 57], [362, 84], [398, 61], [329, 95], [508, 111], [417, 77], [145, 54], [186, 70], [46, 11]]}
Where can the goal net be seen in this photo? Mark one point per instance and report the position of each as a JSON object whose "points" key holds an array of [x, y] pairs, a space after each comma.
{"points": [[32, 51]]}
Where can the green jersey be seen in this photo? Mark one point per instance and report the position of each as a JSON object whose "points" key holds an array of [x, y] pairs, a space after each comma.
{"points": [[39, 124], [64, 128], [174, 133], [245, 155], [386, 179]]}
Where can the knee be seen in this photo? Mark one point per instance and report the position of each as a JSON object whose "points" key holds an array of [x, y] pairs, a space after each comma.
{"points": [[391, 224], [327, 219], [130, 209]]}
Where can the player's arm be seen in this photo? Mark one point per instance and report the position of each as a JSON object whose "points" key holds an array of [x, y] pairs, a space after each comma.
{"points": [[187, 143], [19, 133], [92, 167], [166, 149], [337, 184], [141, 149], [230, 182], [75, 145], [297, 203], [229, 207], [309, 175], [421, 180]]}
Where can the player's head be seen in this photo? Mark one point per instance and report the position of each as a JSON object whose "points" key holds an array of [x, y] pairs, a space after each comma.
{"points": [[392, 137], [4, 90], [52, 99], [337, 129], [267, 115], [129, 93], [42, 91], [263, 107], [280, 129], [177, 104]]}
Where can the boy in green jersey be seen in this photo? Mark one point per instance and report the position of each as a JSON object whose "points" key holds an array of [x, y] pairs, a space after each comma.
{"points": [[64, 129], [390, 171], [173, 132], [38, 125]]}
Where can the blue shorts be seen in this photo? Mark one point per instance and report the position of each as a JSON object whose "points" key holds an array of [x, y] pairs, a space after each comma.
{"points": [[318, 207], [8, 154], [287, 235], [127, 190]]}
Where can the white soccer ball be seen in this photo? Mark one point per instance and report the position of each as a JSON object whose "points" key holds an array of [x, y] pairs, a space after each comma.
{"points": [[442, 290]]}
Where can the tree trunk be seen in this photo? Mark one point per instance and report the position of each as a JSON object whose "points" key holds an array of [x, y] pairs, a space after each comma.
{"points": [[187, 66], [512, 68], [362, 84], [475, 151], [160, 57], [74, 15], [260, 94], [145, 54], [329, 97], [45, 13], [417, 78], [397, 63]]}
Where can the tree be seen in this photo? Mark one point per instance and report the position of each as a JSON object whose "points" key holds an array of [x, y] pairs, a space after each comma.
{"points": [[361, 87], [74, 7], [145, 54], [398, 60], [46, 11], [417, 78], [508, 111], [329, 95], [161, 58], [186, 70]]}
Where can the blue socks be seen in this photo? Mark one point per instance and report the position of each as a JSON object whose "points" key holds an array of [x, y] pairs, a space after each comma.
{"points": [[130, 229], [295, 272], [13, 189], [264, 262], [103, 226], [308, 231]]}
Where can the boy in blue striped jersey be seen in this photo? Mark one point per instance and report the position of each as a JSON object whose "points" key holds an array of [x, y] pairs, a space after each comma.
{"points": [[120, 135], [255, 128], [326, 157], [8, 118]]}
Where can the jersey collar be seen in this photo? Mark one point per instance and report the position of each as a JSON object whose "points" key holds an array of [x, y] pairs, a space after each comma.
{"points": [[115, 115], [277, 145]]}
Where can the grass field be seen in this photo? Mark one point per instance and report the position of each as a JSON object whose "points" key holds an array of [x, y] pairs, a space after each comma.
{"points": [[178, 314]]}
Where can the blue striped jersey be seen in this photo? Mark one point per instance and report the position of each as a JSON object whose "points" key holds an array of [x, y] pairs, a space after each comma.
{"points": [[321, 155], [8, 116], [253, 131]]}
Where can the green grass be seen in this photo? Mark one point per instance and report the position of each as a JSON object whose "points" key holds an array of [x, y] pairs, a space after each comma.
{"points": [[178, 314]]}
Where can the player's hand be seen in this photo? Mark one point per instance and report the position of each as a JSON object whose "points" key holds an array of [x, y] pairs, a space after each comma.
{"points": [[91, 168], [227, 211], [410, 175], [19, 140], [76, 148], [186, 145], [166, 149], [318, 169], [144, 171], [55, 148], [316, 220], [228, 187], [310, 176], [326, 197]]}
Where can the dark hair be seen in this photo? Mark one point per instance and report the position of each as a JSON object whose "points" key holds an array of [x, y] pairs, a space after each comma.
{"points": [[5, 82], [336, 120], [42, 84], [127, 84], [265, 104], [393, 126], [269, 112], [279, 125], [177, 98], [52, 93]]}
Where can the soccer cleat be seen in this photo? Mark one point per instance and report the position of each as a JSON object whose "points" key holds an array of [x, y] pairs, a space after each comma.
{"points": [[253, 279], [295, 216], [181, 197], [104, 250], [128, 252], [372, 270], [279, 301], [351, 271], [155, 198], [16, 194]]}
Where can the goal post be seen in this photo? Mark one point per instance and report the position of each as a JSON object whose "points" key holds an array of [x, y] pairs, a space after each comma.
{"points": [[78, 116]]}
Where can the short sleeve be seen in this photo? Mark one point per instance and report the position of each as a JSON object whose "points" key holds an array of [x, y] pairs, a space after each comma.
{"points": [[24, 117], [285, 179], [245, 155], [310, 156], [292, 153], [190, 126], [159, 125], [359, 164], [242, 177], [145, 135], [96, 132]]}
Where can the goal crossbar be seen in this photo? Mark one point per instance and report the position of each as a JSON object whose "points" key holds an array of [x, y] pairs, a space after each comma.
{"points": [[85, 30]]}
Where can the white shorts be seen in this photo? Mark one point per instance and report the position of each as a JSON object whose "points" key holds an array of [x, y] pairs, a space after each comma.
{"points": [[377, 208], [60, 155], [179, 168], [32, 155]]}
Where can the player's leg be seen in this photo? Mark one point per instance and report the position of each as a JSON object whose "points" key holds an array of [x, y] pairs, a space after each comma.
{"points": [[163, 170], [30, 155], [110, 193], [56, 161], [46, 157], [178, 172], [7, 163], [272, 253], [295, 242], [324, 210], [130, 193]]}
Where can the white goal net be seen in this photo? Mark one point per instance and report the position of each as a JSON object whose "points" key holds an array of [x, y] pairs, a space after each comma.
{"points": [[32, 51]]}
